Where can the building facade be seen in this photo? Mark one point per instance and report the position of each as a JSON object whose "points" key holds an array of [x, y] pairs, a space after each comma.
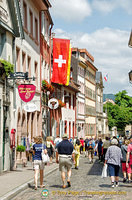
{"points": [[101, 117], [10, 28], [79, 69]]}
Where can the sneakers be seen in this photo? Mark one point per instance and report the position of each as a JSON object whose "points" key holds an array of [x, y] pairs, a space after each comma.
{"points": [[129, 181], [124, 180], [69, 183], [112, 185], [117, 184], [63, 186]]}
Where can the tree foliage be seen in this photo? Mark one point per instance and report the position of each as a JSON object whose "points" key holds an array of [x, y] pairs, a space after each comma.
{"points": [[120, 113]]}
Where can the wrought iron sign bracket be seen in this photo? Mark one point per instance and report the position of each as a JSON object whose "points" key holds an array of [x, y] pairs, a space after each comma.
{"points": [[21, 75]]}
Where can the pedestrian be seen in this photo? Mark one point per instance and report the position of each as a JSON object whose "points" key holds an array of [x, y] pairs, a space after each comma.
{"points": [[38, 147], [66, 158], [77, 153], [50, 148], [91, 145], [57, 140], [82, 145], [105, 146], [113, 159], [86, 147], [129, 153], [99, 150], [126, 170]]}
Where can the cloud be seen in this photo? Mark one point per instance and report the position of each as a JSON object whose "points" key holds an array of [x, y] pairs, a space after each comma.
{"points": [[109, 47], [71, 10], [106, 6]]}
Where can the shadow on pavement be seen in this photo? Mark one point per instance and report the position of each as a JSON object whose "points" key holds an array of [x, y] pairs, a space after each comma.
{"points": [[105, 185], [56, 186]]}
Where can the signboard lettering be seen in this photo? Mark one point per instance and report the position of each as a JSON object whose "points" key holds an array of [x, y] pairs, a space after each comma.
{"points": [[53, 103], [26, 92], [30, 107]]}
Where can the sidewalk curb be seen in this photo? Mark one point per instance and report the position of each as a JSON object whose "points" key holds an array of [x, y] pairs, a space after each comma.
{"points": [[15, 191]]}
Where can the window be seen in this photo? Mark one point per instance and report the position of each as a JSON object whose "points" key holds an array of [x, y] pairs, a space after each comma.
{"points": [[29, 66], [24, 61], [18, 60], [36, 29], [25, 14], [31, 22], [69, 100], [36, 73], [69, 129], [74, 102], [65, 129]]}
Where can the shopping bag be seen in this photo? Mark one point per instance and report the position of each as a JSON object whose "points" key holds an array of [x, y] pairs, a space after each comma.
{"points": [[45, 157], [104, 171]]}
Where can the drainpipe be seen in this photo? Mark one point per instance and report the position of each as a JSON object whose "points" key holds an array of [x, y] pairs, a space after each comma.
{"points": [[50, 52], [50, 75], [14, 84]]}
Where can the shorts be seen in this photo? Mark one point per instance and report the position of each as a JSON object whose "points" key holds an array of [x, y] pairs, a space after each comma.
{"points": [[113, 170], [38, 164], [65, 164], [125, 169]]}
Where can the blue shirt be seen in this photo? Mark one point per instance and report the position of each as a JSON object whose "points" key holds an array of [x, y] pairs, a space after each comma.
{"points": [[38, 150], [65, 147]]}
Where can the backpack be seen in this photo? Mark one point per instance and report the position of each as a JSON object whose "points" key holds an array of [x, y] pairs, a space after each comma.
{"points": [[90, 145]]}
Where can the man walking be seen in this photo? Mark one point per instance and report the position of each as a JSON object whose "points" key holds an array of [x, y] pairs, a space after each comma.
{"points": [[65, 151]]}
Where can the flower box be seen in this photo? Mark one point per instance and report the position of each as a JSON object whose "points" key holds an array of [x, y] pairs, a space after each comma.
{"points": [[61, 104], [47, 86]]}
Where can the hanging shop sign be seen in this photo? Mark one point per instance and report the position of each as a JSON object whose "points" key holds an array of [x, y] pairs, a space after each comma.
{"points": [[53, 103], [26, 92], [30, 107]]}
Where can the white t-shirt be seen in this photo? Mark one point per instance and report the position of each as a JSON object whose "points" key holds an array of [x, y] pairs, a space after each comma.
{"points": [[57, 140]]}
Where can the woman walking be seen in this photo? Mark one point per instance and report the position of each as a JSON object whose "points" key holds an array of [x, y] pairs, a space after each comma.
{"points": [[113, 159], [77, 153], [50, 148], [38, 147], [126, 170]]}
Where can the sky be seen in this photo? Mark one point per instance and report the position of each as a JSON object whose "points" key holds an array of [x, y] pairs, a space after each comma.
{"points": [[102, 27]]}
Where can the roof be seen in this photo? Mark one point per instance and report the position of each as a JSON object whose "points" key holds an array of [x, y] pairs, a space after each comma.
{"points": [[48, 3], [16, 18], [49, 16], [130, 40], [87, 53]]}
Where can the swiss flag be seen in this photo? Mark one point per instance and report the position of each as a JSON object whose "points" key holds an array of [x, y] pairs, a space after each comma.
{"points": [[61, 61]]}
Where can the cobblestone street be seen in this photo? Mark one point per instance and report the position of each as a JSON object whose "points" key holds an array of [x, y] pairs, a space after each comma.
{"points": [[86, 184]]}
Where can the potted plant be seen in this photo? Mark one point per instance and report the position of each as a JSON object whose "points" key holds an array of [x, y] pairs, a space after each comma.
{"points": [[47, 86], [20, 149], [6, 68]]}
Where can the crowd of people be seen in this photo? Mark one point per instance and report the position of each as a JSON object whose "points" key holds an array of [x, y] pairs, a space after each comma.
{"points": [[115, 152]]}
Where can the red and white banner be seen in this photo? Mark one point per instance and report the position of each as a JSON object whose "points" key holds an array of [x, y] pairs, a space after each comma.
{"points": [[61, 61], [26, 92]]}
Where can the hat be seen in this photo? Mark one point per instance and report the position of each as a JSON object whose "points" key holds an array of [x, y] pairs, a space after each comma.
{"points": [[65, 136], [114, 141]]}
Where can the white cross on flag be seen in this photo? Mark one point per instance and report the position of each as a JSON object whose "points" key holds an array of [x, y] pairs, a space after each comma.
{"points": [[61, 61]]}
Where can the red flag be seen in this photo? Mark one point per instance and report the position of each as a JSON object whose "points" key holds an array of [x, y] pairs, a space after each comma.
{"points": [[61, 56]]}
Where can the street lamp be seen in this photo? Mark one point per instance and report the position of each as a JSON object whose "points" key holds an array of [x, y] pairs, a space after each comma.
{"points": [[130, 76]]}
